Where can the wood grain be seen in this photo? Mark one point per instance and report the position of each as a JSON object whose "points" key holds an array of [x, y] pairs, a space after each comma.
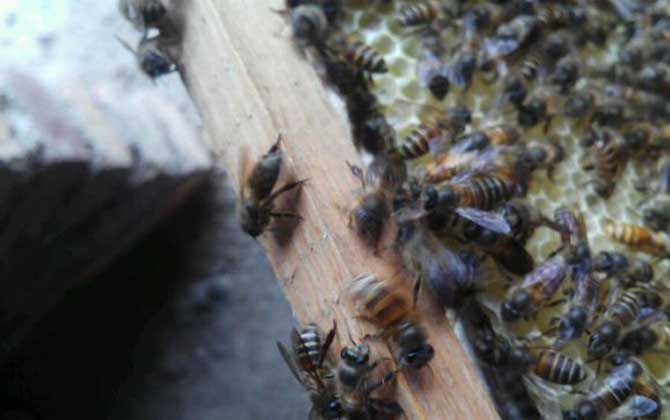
{"points": [[249, 84]]}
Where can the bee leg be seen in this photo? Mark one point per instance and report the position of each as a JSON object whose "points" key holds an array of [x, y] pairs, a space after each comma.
{"points": [[285, 188], [555, 303], [415, 290], [286, 214]]}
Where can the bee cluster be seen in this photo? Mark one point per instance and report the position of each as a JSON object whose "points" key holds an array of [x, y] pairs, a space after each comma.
{"points": [[518, 152]]}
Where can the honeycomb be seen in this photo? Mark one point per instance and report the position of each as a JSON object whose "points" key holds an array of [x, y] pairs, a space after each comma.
{"points": [[407, 103]]}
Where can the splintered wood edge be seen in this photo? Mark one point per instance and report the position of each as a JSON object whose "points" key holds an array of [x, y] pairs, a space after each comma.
{"points": [[250, 83]]}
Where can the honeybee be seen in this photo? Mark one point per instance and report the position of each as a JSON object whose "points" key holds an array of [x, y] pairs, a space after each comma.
{"points": [[537, 287], [584, 302], [142, 14], [430, 67], [523, 219], [544, 155], [544, 55], [610, 155], [309, 24], [385, 174], [154, 56], [481, 190], [626, 270], [654, 337], [353, 374], [418, 14], [638, 237], [389, 310], [622, 312], [572, 226], [433, 137], [565, 74], [307, 362], [365, 57], [628, 389], [511, 37], [256, 186], [656, 210], [451, 277]]}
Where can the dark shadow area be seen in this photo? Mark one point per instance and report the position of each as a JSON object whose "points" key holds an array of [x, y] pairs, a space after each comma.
{"points": [[182, 327]]}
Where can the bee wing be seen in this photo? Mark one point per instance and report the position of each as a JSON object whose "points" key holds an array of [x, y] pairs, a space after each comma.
{"points": [[492, 221], [637, 406], [244, 170], [326, 344], [291, 363]]}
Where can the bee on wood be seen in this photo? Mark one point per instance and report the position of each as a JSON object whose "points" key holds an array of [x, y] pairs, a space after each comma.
{"points": [[638, 237], [307, 360], [628, 389], [154, 56], [355, 386], [537, 287], [256, 191], [451, 276], [391, 312], [384, 176], [623, 311], [418, 14], [142, 14], [627, 271], [309, 25], [544, 155]]}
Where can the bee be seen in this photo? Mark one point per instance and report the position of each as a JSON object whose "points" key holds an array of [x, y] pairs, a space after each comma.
{"points": [[481, 190], [656, 210], [584, 302], [433, 137], [543, 55], [315, 378], [451, 276], [637, 237], [523, 219], [610, 155], [537, 287], [565, 74], [309, 24], [544, 155], [556, 367], [154, 56], [651, 338], [559, 15], [511, 37], [430, 68], [418, 14], [387, 308], [142, 14], [623, 311], [365, 57], [626, 270], [572, 226], [627, 381], [461, 68], [353, 374], [384, 176], [256, 196]]}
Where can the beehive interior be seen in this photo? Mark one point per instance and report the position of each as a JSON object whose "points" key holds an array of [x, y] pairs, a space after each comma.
{"points": [[407, 103]]}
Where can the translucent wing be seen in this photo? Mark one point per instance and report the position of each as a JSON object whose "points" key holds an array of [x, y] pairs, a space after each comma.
{"points": [[428, 66], [290, 362], [637, 406], [244, 171], [492, 221]]}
